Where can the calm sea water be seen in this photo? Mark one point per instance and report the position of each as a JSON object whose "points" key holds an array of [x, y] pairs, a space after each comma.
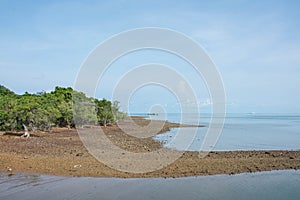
{"points": [[264, 185], [242, 132]]}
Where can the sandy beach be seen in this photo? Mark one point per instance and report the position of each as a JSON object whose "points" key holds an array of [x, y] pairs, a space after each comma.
{"points": [[62, 153]]}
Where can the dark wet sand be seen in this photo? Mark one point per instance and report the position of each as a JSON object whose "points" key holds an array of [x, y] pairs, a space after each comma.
{"points": [[62, 153]]}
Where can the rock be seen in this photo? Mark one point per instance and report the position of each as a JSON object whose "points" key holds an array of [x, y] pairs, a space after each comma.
{"points": [[79, 154]]}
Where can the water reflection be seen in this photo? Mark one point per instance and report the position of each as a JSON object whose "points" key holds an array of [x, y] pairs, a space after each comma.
{"points": [[283, 184]]}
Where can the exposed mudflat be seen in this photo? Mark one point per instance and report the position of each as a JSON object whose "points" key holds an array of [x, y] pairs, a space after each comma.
{"points": [[62, 153]]}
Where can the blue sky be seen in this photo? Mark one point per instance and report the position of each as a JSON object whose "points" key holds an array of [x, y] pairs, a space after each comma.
{"points": [[255, 45]]}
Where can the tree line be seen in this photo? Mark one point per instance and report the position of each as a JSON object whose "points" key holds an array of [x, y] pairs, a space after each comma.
{"points": [[63, 107]]}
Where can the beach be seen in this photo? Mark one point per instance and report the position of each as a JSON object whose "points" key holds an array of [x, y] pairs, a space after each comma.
{"points": [[61, 152]]}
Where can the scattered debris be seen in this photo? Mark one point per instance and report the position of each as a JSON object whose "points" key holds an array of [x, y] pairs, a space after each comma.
{"points": [[77, 166], [26, 134], [9, 169], [79, 154]]}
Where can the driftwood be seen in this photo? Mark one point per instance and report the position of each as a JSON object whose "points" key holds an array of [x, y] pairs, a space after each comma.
{"points": [[26, 133]]}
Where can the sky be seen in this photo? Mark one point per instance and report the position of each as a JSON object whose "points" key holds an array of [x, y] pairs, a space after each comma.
{"points": [[254, 44]]}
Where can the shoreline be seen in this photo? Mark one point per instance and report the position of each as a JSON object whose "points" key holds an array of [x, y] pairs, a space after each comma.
{"points": [[18, 174], [62, 153]]}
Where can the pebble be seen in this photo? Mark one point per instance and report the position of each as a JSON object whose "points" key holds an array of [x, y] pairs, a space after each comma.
{"points": [[79, 154], [77, 166]]}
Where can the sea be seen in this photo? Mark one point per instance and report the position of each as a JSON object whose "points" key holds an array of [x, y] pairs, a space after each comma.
{"points": [[240, 132], [247, 131]]}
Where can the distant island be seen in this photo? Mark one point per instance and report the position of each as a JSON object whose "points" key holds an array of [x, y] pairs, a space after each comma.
{"points": [[152, 113]]}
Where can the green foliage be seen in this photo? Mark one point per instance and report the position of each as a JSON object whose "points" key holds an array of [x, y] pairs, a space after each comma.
{"points": [[44, 110], [7, 119], [84, 109], [62, 98], [5, 91], [115, 110], [104, 112]]}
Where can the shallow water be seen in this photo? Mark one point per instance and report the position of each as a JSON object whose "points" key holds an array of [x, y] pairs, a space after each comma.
{"points": [[243, 132], [264, 185]]}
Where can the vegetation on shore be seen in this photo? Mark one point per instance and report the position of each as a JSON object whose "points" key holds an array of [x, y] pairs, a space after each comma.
{"points": [[44, 110]]}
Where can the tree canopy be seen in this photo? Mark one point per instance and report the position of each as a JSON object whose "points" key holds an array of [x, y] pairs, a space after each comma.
{"points": [[44, 110]]}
